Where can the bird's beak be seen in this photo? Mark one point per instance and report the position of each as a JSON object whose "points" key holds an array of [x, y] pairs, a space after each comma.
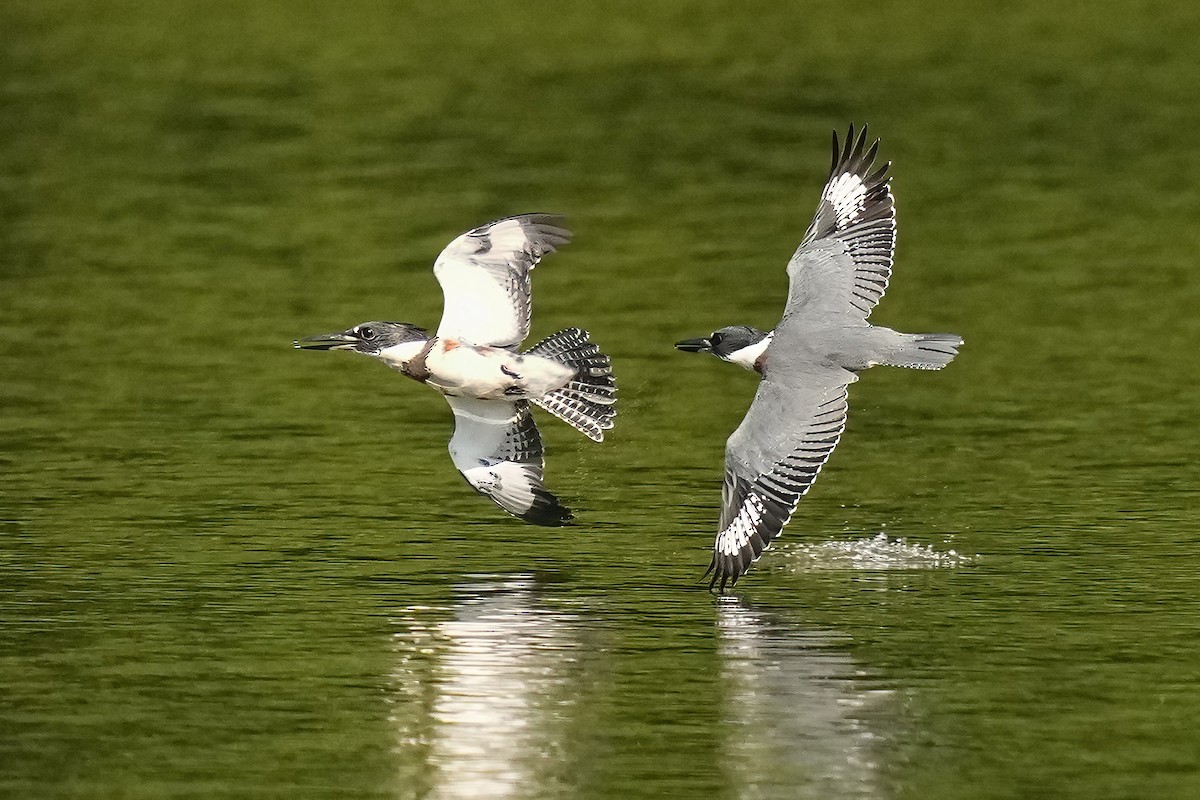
{"points": [[326, 341], [694, 345]]}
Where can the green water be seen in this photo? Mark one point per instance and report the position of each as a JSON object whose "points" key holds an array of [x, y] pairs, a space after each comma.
{"points": [[230, 569]]}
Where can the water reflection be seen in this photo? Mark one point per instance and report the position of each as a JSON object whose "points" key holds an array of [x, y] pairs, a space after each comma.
{"points": [[484, 696], [795, 723], [493, 701]]}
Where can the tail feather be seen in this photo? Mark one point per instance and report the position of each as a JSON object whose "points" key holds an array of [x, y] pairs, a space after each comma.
{"points": [[586, 402], [924, 350]]}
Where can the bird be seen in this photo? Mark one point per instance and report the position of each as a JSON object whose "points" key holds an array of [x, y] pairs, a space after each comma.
{"points": [[807, 362], [473, 361]]}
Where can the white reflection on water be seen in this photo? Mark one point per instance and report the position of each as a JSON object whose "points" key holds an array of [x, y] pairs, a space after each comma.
{"points": [[483, 696], [489, 702], [796, 723]]}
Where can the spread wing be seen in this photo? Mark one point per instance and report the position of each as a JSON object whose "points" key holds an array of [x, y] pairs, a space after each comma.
{"points": [[770, 462], [845, 260], [497, 448], [484, 275]]}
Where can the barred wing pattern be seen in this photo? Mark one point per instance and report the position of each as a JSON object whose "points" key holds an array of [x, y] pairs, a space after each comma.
{"points": [[484, 275], [498, 449], [768, 469], [844, 262]]}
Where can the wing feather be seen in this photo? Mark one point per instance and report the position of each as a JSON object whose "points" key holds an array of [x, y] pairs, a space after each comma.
{"points": [[845, 260], [771, 460], [484, 275], [498, 449]]}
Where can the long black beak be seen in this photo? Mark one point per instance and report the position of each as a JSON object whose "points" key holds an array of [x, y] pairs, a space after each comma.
{"points": [[694, 345], [326, 341]]}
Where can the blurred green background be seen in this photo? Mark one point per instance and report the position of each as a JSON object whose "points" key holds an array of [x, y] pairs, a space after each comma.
{"points": [[230, 569]]}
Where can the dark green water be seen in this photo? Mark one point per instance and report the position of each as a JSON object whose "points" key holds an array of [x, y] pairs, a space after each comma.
{"points": [[229, 569]]}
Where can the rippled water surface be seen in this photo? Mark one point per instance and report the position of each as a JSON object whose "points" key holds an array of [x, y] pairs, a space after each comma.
{"points": [[230, 569]]}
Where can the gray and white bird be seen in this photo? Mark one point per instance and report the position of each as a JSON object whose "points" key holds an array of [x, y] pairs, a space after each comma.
{"points": [[836, 277], [473, 361]]}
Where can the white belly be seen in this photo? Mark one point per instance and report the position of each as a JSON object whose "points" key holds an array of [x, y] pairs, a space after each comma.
{"points": [[492, 373]]}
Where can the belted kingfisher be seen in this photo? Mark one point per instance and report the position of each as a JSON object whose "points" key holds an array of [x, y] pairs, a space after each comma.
{"points": [[806, 363], [473, 361]]}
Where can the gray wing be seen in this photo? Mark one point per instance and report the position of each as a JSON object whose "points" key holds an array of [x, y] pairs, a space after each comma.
{"points": [[845, 260], [498, 449], [484, 275], [770, 462]]}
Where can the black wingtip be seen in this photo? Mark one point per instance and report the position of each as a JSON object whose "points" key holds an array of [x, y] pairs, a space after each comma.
{"points": [[853, 154], [720, 572], [840, 154], [861, 142], [549, 516], [869, 157], [547, 511]]}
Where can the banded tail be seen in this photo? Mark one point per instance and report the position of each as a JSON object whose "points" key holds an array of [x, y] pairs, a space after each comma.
{"points": [[586, 402], [924, 350]]}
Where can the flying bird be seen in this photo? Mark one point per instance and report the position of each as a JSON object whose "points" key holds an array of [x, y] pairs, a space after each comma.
{"points": [[836, 277], [474, 362]]}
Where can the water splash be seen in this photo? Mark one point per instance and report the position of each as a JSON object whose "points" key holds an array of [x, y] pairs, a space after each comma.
{"points": [[879, 552]]}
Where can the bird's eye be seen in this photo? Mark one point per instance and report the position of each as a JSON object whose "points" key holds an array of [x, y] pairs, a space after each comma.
{"points": [[366, 333], [715, 339]]}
